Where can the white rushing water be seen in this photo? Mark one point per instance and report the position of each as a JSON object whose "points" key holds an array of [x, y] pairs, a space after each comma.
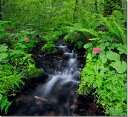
{"points": [[67, 75]]}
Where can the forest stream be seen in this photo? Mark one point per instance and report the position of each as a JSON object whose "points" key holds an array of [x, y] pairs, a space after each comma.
{"points": [[57, 95], [63, 58]]}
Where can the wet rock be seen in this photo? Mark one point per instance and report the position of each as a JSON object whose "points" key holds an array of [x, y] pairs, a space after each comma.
{"points": [[72, 106], [52, 113], [36, 114], [39, 102], [82, 110], [62, 99], [22, 98], [75, 100], [34, 73], [51, 49], [61, 41]]}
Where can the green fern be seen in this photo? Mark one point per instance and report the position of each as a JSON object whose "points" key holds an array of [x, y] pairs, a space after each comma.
{"points": [[115, 25]]}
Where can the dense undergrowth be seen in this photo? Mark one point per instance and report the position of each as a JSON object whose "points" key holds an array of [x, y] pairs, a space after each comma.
{"points": [[88, 24], [105, 69], [16, 63]]}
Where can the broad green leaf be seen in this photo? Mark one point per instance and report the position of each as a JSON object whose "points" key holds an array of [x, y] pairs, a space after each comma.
{"points": [[122, 50], [7, 106], [3, 56], [102, 46], [1, 96], [103, 58], [119, 66], [96, 68], [3, 91], [87, 45], [3, 48], [89, 56], [113, 56]]}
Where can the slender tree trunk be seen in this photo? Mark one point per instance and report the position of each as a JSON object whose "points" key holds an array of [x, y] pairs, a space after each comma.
{"points": [[75, 15]]}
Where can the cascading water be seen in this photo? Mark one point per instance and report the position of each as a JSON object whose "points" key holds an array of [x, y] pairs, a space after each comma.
{"points": [[57, 95], [66, 75]]}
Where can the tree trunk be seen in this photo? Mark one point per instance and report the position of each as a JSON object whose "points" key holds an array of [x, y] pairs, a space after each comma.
{"points": [[75, 10]]}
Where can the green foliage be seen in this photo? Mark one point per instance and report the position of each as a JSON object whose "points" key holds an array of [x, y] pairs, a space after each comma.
{"points": [[3, 27], [32, 72], [115, 25], [10, 80], [39, 15], [113, 56], [4, 103], [88, 27], [84, 29], [15, 64], [3, 53], [19, 41], [52, 36], [119, 66], [83, 24], [106, 73], [49, 48]]}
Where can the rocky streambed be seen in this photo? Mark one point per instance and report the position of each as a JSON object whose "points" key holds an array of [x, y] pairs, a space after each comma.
{"points": [[55, 94]]}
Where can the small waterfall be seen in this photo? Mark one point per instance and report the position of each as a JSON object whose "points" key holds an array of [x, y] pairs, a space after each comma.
{"points": [[61, 77], [57, 95], [64, 48]]}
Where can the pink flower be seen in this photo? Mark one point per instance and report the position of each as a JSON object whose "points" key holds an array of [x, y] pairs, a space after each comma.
{"points": [[96, 50], [27, 39]]}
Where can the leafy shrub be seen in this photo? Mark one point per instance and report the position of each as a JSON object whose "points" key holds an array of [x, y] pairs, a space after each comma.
{"points": [[86, 30], [24, 40], [105, 72], [52, 36], [14, 62], [49, 48], [3, 27], [32, 72], [4, 103], [80, 32], [115, 25]]}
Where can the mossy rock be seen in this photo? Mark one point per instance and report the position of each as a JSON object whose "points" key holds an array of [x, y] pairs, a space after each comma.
{"points": [[49, 48], [34, 73]]}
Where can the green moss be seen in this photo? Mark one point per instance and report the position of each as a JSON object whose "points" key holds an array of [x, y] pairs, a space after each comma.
{"points": [[49, 48], [34, 73]]}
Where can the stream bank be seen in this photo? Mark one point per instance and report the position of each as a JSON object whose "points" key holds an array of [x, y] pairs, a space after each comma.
{"points": [[55, 93]]}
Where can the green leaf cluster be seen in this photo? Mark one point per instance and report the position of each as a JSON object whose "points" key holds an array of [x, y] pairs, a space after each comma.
{"points": [[16, 64], [105, 72], [49, 48]]}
